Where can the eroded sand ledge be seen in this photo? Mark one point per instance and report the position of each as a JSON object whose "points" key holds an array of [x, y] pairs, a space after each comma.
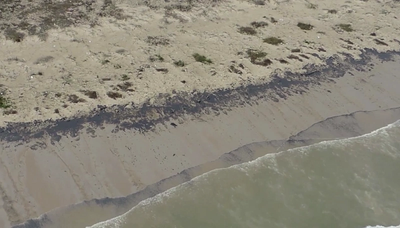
{"points": [[119, 148]]}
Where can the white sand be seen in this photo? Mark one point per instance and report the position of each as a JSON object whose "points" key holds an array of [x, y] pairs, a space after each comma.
{"points": [[78, 54]]}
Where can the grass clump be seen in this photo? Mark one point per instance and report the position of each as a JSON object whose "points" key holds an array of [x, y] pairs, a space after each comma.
{"points": [[202, 58], [332, 11], [179, 63], [255, 54], [259, 24], [257, 57], [14, 35], [247, 30], [4, 102], [273, 40], [346, 27], [312, 6], [304, 26], [155, 58]]}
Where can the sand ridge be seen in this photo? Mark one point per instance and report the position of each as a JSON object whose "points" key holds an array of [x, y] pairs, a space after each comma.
{"points": [[150, 51]]}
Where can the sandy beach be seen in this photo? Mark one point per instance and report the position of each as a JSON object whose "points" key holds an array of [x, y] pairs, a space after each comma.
{"points": [[140, 97]]}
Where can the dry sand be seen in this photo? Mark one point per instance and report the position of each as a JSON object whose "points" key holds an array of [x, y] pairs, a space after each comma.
{"points": [[90, 152], [80, 67]]}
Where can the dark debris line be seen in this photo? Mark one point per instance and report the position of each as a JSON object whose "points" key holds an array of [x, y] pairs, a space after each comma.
{"points": [[133, 117]]}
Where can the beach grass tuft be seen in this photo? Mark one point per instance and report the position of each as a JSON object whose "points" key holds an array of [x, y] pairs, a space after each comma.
{"points": [[346, 27], [4, 102], [305, 26], [259, 24], [273, 40], [247, 30], [201, 58], [179, 63]]}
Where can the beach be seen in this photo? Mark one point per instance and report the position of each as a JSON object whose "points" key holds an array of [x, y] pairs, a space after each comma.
{"points": [[98, 118]]}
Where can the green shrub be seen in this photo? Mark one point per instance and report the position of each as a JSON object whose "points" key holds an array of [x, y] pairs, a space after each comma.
{"points": [[273, 40], [202, 58]]}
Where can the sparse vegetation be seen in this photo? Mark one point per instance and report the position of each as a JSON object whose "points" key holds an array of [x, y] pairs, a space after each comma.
{"points": [[273, 40], [345, 27], [247, 30], [22, 18], [75, 99], [202, 58], [312, 6], [255, 54], [273, 20], [114, 95], [304, 26], [157, 40], [4, 102], [259, 24], [179, 63], [91, 94], [124, 77], [158, 58], [125, 86], [258, 57], [14, 35]]}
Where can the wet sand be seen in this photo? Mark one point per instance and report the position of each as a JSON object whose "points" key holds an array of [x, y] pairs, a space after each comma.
{"points": [[114, 152]]}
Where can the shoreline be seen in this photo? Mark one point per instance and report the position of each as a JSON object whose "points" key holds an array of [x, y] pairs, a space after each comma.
{"points": [[246, 153], [111, 207]]}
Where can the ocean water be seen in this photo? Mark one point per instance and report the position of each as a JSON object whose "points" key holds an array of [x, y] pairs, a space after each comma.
{"points": [[346, 183]]}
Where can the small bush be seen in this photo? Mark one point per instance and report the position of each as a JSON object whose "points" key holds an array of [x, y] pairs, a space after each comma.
{"points": [[346, 27], [4, 102], [247, 31], [304, 26], [202, 59], [179, 63], [255, 54], [332, 11], [273, 40]]}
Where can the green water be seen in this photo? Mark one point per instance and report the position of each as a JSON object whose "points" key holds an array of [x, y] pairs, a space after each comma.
{"points": [[344, 183]]}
